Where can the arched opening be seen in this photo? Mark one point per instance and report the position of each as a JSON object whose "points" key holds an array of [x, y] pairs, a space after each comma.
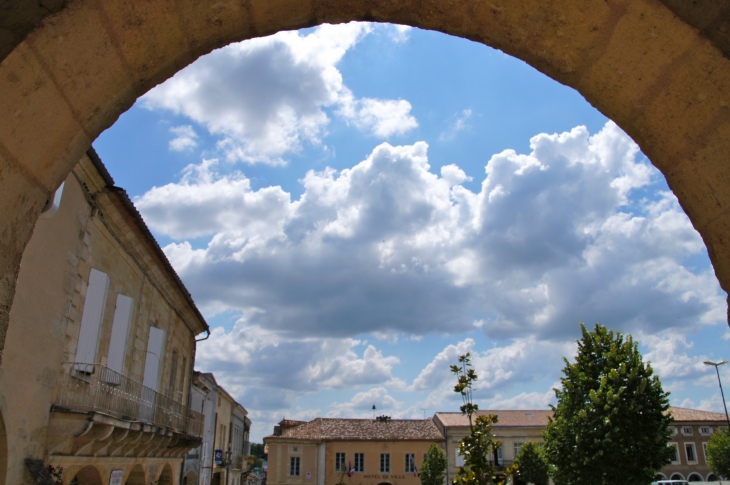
{"points": [[676, 476], [136, 476], [166, 477], [712, 478], [695, 477], [65, 85], [191, 478], [88, 475]]}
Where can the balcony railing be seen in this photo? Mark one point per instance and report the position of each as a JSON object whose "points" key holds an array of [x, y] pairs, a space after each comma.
{"points": [[95, 387]]}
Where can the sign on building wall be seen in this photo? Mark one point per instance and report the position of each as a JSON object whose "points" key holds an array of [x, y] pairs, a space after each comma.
{"points": [[116, 477], [218, 457]]}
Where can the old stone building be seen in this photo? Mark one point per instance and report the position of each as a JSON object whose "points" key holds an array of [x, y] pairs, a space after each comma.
{"points": [[373, 451], [96, 372], [691, 430], [513, 428]]}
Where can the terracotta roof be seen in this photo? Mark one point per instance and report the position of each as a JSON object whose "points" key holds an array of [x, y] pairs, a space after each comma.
{"points": [[364, 429], [684, 414], [506, 418]]}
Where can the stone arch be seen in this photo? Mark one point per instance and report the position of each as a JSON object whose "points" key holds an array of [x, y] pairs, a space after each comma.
{"points": [[659, 78], [695, 477], [660, 476], [676, 476], [166, 476], [87, 475], [136, 476], [711, 477], [191, 478]]}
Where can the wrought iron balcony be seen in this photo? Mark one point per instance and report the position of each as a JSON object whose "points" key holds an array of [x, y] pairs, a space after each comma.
{"points": [[95, 387]]}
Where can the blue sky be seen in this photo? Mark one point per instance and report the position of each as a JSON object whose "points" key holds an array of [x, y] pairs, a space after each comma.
{"points": [[354, 206]]}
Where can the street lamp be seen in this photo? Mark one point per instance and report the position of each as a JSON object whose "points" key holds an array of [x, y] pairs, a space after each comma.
{"points": [[716, 365]]}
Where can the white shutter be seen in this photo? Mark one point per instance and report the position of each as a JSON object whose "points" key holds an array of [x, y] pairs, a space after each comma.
{"points": [[120, 330], [459, 458], [154, 354], [92, 316]]}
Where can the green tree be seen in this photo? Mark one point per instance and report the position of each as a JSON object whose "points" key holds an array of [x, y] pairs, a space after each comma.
{"points": [[718, 453], [477, 445], [531, 464], [433, 469], [611, 422]]}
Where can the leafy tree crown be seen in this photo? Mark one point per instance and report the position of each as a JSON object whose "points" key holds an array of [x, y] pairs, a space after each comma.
{"points": [[611, 421]]}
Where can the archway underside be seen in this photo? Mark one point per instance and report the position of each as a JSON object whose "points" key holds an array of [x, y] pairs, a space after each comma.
{"points": [[656, 76]]}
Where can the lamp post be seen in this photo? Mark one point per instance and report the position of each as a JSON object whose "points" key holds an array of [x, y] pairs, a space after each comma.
{"points": [[716, 365]]}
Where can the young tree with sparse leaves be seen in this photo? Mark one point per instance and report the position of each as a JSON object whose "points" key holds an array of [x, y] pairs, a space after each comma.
{"points": [[611, 422], [718, 453], [531, 464], [433, 469], [477, 445]]}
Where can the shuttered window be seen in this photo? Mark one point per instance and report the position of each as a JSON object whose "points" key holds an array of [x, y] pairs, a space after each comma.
{"points": [[152, 360], [92, 316], [120, 330]]}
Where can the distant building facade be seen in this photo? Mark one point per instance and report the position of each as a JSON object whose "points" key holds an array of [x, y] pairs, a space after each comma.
{"points": [[221, 457], [103, 393], [368, 451], [691, 430], [512, 430]]}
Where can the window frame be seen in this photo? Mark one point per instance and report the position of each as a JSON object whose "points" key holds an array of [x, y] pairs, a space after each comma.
{"points": [[687, 431], [294, 466], [410, 463], [359, 467], [340, 466], [385, 460], [676, 450], [688, 444], [705, 430], [516, 448]]}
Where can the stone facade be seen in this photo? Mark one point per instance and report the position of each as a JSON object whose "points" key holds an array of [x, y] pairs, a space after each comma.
{"points": [[691, 431], [75, 416]]}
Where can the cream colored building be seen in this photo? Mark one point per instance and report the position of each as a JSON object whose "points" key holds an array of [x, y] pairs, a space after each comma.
{"points": [[378, 452], [98, 357], [513, 428], [691, 430]]}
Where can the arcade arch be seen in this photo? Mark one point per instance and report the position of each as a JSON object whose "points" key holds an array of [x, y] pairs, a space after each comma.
{"points": [[136, 476], [656, 76], [87, 475]]}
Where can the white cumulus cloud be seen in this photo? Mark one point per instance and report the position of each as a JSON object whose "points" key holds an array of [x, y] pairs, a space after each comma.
{"points": [[266, 97]]}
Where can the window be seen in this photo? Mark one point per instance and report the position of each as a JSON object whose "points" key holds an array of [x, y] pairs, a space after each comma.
{"points": [[173, 375], [672, 430], [459, 460], [91, 319], [294, 466], [517, 448], [705, 430], [120, 329], [499, 455], [675, 453], [360, 462], [424, 457], [410, 462], [340, 462], [687, 430], [704, 450], [689, 449], [385, 463]]}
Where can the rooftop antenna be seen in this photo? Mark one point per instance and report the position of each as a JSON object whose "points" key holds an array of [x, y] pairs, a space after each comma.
{"points": [[373, 411], [424, 412]]}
